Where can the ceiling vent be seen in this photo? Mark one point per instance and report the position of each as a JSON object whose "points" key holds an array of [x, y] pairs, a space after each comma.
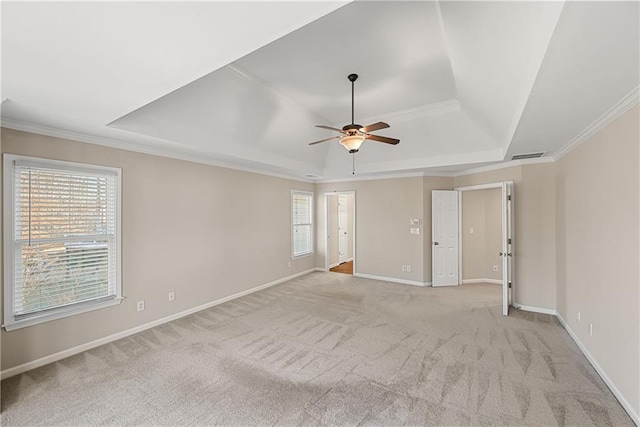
{"points": [[528, 156]]}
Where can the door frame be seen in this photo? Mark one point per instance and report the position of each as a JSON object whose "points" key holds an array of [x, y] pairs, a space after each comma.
{"points": [[326, 227], [508, 287]]}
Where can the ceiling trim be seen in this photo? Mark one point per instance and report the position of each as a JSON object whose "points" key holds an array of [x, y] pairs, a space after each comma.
{"points": [[139, 148], [505, 165], [370, 177], [625, 104]]}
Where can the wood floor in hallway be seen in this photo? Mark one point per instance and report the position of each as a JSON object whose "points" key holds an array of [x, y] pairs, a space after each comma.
{"points": [[344, 268]]}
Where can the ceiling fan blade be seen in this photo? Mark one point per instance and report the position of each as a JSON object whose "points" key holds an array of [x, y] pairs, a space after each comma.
{"points": [[383, 139], [330, 128], [323, 140], [375, 126]]}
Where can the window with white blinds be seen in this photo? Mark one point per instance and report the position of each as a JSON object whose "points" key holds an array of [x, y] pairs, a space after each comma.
{"points": [[301, 223], [62, 240]]}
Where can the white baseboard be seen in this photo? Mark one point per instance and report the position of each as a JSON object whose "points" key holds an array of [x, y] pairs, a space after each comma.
{"points": [[625, 404], [535, 309], [333, 265], [497, 282], [390, 279], [349, 259], [105, 340]]}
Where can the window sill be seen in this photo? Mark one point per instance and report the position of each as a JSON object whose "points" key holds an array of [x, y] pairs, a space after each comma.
{"points": [[60, 314], [294, 257]]}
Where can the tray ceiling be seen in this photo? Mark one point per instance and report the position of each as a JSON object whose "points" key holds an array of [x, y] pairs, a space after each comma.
{"points": [[460, 83]]}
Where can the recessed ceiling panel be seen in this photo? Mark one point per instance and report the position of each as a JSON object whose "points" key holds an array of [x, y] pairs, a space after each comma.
{"points": [[397, 49]]}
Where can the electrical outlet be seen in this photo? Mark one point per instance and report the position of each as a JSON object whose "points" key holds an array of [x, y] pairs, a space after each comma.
{"points": [[140, 305], [578, 317], [590, 329], [408, 269], [404, 268], [172, 296], [471, 230], [495, 268], [289, 264]]}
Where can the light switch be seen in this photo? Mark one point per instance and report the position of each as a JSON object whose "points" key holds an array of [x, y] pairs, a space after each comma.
{"points": [[415, 221], [471, 230], [415, 230]]}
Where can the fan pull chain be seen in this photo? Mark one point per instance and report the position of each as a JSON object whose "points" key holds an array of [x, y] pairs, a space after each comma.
{"points": [[353, 163]]}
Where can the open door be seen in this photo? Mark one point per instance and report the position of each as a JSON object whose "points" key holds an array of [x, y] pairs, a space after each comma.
{"points": [[343, 230], [444, 232], [507, 246]]}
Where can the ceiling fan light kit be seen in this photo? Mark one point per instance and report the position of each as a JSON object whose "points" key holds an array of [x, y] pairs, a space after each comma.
{"points": [[352, 136]]}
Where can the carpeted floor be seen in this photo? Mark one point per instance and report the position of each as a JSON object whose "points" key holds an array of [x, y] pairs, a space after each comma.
{"points": [[328, 349]]}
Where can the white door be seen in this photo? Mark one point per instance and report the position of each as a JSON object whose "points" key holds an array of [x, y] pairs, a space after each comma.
{"points": [[343, 233], [507, 246], [444, 232]]}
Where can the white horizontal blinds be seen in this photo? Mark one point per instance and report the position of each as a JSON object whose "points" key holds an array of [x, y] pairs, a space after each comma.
{"points": [[302, 227], [65, 237]]}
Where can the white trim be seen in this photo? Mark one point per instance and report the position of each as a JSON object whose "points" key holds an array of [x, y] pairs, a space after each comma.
{"points": [[156, 150], [349, 259], [617, 110], [123, 334], [535, 309], [390, 279], [625, 404], [480, 187], [493, 281], [369, 177], [504, 165], [333, 265]]}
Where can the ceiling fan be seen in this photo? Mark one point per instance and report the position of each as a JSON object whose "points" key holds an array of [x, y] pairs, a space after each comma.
{"points": [[352, 136]]}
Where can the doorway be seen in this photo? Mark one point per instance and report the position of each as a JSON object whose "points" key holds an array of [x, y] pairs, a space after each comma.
{"points": [[340, 243], [447, 232]]}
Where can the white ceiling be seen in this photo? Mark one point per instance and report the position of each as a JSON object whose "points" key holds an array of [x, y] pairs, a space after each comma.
{"points": [[243, 83]]}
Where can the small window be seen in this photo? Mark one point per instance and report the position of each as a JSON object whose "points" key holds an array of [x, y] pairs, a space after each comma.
{"points": [[301, 223], [61, 239]]}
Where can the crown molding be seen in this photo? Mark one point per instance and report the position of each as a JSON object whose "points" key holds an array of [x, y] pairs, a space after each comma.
{"points": [[617, 110], [504, 165], [369, 177], [140, 148]]}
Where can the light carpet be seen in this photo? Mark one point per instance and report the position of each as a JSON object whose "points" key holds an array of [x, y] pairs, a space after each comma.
{"points": [[328, 349]]}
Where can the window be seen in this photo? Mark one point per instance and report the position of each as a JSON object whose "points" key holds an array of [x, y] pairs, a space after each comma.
{"points": [[61, 239], [301, 223]]}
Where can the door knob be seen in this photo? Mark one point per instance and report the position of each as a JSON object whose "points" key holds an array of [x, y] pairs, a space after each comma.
{"points": [[500, 254], [436, 243]]}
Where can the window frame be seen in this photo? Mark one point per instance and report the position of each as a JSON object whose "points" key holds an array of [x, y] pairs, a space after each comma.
{"points": [[9, 226], [311, 244]]}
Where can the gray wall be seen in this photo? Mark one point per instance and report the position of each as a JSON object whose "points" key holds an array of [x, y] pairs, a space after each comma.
{"points": [[482, 211], [204, 232], [384, 209], [597, 249]]}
